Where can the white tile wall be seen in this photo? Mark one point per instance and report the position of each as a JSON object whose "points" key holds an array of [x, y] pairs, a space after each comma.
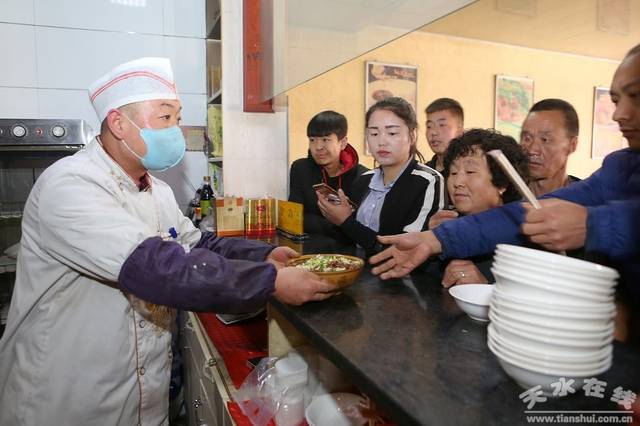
{"points": [[17, 66], [18, 11], [184, 18], [73, 59], [55, 103], [18, 102], [194, 111], [189, 59], [58, 47], [109, 15], [65, 59]]}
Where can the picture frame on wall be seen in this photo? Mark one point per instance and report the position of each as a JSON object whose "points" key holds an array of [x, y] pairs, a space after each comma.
{"points": [[384, 80], [606, 136], [513, 99]]}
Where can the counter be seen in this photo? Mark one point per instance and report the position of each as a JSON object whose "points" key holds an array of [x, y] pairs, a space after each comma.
{"points": [[406, 344]]}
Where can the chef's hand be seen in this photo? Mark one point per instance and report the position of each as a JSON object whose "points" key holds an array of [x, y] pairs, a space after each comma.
{"points": [[296, 286], [461, 271], [335, 213], [442, 216], [279, 256], [407, 252], [558, 225]]}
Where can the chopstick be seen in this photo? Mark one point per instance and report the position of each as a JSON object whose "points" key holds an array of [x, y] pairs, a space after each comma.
{"points": [[516, 179]]}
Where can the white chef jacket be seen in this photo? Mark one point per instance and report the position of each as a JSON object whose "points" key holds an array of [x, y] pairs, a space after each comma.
{"points": [[76, 350]]}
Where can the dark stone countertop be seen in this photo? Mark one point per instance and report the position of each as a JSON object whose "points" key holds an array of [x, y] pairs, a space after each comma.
{"points": [[407, 345]]}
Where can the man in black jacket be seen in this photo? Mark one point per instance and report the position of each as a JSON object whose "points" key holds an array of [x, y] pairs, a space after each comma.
{"points": [[331, 160]]}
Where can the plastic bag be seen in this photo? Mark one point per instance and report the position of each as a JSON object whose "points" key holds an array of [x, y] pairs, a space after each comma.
{"points": [[255, 396], [278, 389]]}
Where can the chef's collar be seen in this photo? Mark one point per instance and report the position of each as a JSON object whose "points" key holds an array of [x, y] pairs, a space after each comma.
{"points": [[145, 183]]}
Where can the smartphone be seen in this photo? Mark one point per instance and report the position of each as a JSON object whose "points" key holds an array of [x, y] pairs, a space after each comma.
{"points": [[331, 194]]}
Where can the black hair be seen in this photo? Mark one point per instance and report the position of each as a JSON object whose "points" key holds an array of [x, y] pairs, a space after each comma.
{"points": [[326, 123], [481, 140], [402, 109], [446, 104], [571, 122]]}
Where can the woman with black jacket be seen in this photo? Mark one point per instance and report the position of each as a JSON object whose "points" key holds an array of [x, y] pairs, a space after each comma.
{"points": [[398, 196]]}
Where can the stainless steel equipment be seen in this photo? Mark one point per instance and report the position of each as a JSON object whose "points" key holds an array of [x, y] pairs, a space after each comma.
{"points": [[27, 147]]}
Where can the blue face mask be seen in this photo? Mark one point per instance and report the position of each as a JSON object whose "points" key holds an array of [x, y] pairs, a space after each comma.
{"points": [[165, 147]]}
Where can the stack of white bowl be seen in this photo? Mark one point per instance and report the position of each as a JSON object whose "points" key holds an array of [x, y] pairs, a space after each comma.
{"points": [[551, 316]]}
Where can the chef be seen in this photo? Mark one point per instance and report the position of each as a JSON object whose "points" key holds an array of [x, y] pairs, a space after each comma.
{"points": [[106, 256]]}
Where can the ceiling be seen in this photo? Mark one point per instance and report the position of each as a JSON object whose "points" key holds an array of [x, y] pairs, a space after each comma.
{"points": [[597, 28]]}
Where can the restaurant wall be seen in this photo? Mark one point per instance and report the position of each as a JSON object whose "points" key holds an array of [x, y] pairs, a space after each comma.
{"points": [[459, 68]]}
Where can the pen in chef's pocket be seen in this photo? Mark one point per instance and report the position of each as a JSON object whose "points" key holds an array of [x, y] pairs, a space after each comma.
{"points": [[173, 232]]}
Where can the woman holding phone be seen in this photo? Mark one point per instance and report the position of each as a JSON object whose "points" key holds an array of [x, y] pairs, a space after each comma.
{"points": [[401, 194]]}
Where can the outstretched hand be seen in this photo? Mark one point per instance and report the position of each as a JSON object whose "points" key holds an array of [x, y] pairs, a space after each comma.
{"points": [[406, 253]]}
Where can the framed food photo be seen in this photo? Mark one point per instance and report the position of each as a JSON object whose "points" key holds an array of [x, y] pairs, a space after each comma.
{"points": [[606, 136], [514, 98], [385, 80]]}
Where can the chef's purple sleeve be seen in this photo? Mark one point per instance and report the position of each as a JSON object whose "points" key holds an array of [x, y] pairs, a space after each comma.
{"points": [[161, 272], [235, 248]]}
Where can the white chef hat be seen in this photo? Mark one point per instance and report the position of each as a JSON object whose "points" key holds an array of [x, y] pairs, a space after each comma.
{"points": [[143, 79]]}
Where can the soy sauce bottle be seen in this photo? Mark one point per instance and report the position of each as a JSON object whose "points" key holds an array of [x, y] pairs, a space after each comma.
{"points": [[206, 196]]}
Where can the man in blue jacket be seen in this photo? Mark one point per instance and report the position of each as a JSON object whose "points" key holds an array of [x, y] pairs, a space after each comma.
{"points": [[601, 213]]}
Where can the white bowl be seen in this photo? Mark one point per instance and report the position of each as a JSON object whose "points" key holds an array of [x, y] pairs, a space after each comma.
{"points": [[550, 352], [474, 299], [589, 309], [541, 365], [330, 409], [598, 283], [546, 344], [553, 324], [564, 286], [549, 366], [556, 261], [527, 378], [530, 289], [550, 318], [553, 333]]}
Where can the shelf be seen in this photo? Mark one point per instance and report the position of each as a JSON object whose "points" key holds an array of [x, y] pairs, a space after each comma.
{"points": [[212, 16], [215, 159], [216, 98], [213, 29]]}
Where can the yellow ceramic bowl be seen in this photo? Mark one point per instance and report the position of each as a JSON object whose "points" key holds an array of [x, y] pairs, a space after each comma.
{"points": [[338, 279]]}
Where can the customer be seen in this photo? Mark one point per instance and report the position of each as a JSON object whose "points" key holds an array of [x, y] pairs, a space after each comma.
{"points": [[330, 160], [105, 257], [549, 135], [445, 121], [398, 196], [477, 183], [600, 213]]}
